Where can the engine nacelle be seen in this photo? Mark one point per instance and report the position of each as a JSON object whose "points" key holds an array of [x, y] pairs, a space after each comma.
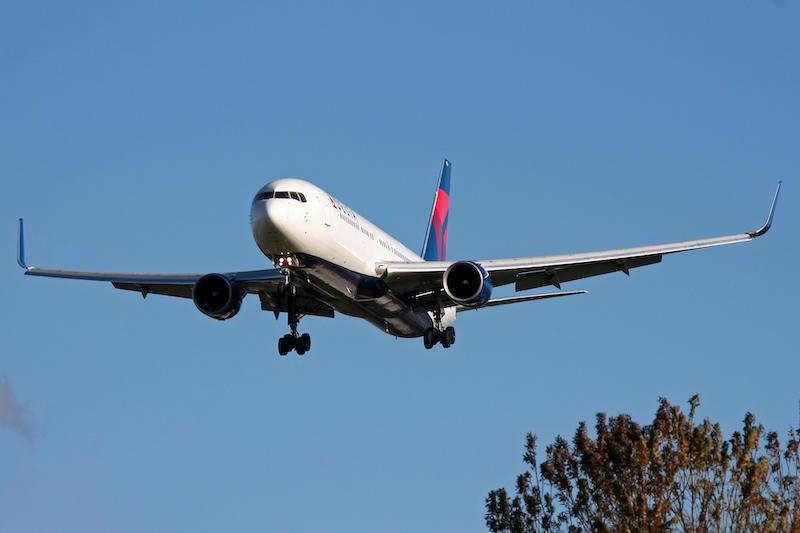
{"points": [[217, 296], [467, 283]]}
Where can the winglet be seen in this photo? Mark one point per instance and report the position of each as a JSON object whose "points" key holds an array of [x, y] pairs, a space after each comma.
{"points": [[768, 224], [21, 247]]}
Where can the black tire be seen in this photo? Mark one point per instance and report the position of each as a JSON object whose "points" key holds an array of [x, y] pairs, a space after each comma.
{"points": [[305, 342], [283, 349], [429, 338], [445, 340], [450, 333]]}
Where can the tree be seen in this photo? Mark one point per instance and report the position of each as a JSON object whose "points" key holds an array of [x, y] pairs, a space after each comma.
{"points": [[671, 475]]}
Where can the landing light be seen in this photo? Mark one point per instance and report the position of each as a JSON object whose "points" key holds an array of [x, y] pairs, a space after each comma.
{"points": [[287, 261]]}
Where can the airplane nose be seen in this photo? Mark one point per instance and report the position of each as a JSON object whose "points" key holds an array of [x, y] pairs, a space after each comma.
{"points": [[270, 215], [276, 213]]}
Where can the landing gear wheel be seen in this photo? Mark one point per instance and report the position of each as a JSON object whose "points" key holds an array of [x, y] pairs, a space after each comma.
{"points": [[303, 343], [449, 336], [429, 338], [285, 344], [445, 341]]}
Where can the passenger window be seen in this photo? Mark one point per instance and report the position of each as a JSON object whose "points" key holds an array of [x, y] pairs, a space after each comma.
{"points": [[294, 196], [282, 194], [302, 197]]}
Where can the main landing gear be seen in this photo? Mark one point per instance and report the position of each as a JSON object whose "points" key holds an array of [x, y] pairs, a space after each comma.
{"points": [[293, 341], [300, 343], [432, 336], [437, 334]]}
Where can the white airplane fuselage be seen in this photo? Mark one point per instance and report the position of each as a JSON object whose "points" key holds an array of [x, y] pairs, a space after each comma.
{"points": [[337, 251]]}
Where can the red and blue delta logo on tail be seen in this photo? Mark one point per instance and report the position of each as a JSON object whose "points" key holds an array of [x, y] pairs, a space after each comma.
{"points": [[435, 247]]}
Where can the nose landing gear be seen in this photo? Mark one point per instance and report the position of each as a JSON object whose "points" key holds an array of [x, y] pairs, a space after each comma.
{"points": [[293, 341]]}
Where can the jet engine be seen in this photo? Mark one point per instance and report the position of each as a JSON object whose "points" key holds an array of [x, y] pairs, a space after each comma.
{"points": [[217, 296], [467, 284]]}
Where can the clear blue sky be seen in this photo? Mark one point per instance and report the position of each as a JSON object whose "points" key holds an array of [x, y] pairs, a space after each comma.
{"points": [[134, 137]]}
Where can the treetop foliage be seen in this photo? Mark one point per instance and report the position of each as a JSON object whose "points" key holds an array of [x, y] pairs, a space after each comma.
{"points": [[671, 475]]}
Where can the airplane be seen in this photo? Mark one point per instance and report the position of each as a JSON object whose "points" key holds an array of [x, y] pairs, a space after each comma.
{"points": [[327, 259]]}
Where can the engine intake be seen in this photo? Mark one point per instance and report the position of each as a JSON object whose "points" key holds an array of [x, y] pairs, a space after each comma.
{"points": [[217, 296], [467, 283]]}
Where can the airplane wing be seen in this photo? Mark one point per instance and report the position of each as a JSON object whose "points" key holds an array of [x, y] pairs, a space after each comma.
{"points": [[419, 278], [517, 299], [180, 285], [266, 283]]}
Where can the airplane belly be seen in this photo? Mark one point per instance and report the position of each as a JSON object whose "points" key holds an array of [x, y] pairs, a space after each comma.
{"points": [[364, 297]]}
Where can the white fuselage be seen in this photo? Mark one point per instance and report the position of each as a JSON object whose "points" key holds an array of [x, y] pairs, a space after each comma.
{"points": [[323, 227], [340, 250]]}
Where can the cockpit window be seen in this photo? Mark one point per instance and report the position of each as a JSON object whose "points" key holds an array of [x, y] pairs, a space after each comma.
{"points": [[266, 195]]}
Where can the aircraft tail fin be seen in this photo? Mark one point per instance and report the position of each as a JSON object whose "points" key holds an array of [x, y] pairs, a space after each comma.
{"points": [[435, 245]]}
